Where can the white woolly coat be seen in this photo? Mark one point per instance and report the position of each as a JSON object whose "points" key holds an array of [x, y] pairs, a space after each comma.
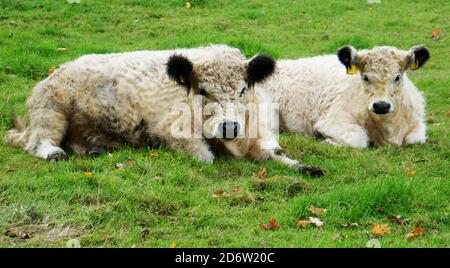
{"points": [[317, 97]]}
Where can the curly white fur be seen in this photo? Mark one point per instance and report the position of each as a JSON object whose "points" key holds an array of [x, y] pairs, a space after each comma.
{"points": [[317, 97]]}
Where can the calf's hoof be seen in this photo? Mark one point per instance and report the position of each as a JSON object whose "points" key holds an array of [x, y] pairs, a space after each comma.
{"points": [[57, 156], [312, 171]]}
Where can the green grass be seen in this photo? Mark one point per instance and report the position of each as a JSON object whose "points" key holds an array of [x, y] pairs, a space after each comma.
{"points": [[158, 200]]}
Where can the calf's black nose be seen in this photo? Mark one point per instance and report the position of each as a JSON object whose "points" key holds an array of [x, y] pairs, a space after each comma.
{"points": [[381, 107], [229, 129]]}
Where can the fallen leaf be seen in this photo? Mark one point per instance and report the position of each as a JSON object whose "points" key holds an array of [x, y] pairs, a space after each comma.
{"points": [[87, 174], [302, 223], [316, 221], [173, 245], [119, 166], [418, 231], [51, 70], [410, 236], [129, 162], [317, 211], [273, 224], [262, 173], [187, 5], [62, 49], [415, 233], [153, 155], [436, 34], [380, 229], [410, 172]]}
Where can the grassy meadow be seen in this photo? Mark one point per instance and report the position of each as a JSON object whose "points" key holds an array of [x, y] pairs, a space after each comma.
{"points": [[162, 198]]}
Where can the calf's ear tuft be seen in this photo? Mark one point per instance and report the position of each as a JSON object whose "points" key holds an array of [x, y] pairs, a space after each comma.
{"points": [[417, 56], [179, 68], [348, 56], [259, 68]]}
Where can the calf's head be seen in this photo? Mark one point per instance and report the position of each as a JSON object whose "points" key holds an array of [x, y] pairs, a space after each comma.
{"points": [[382, 72], [225, 86]]}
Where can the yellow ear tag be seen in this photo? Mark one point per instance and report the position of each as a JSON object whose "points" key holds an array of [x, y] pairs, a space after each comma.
{"points": [[414, 65], [352, 70]]}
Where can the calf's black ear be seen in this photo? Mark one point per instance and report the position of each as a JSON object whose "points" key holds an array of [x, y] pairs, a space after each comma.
{"points": [[259, 68], [179, 68], [348, 56], [417, 56]]}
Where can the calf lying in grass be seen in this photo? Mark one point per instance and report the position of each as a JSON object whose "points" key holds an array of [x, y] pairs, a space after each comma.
{"points": [[103, 102], [380, 106]]}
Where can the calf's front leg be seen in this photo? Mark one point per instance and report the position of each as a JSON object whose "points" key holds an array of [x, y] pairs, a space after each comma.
{"points": [[343, 133], [270, 149]]}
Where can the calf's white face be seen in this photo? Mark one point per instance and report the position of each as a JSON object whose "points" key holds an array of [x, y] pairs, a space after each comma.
{"points": [[382, 72], [223, 84]]}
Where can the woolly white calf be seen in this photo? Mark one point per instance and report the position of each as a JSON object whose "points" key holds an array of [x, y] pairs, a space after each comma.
{"points": [[380, 105], [100, 102]]}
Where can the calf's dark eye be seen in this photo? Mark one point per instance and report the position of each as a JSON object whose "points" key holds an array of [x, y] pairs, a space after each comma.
{"points": [[397, 78], [366, 79]]}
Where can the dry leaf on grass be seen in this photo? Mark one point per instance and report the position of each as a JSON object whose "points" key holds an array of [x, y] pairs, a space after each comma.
{"points": [[173, 245], [62, 49], [187, 5], [317, 211], [302, 223], [87, 174], [410, 172], [262, 173], [316, 221], [380, 229], [51, 70], [272, 225], [436, 34], [415, 233], [311, 220]]}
